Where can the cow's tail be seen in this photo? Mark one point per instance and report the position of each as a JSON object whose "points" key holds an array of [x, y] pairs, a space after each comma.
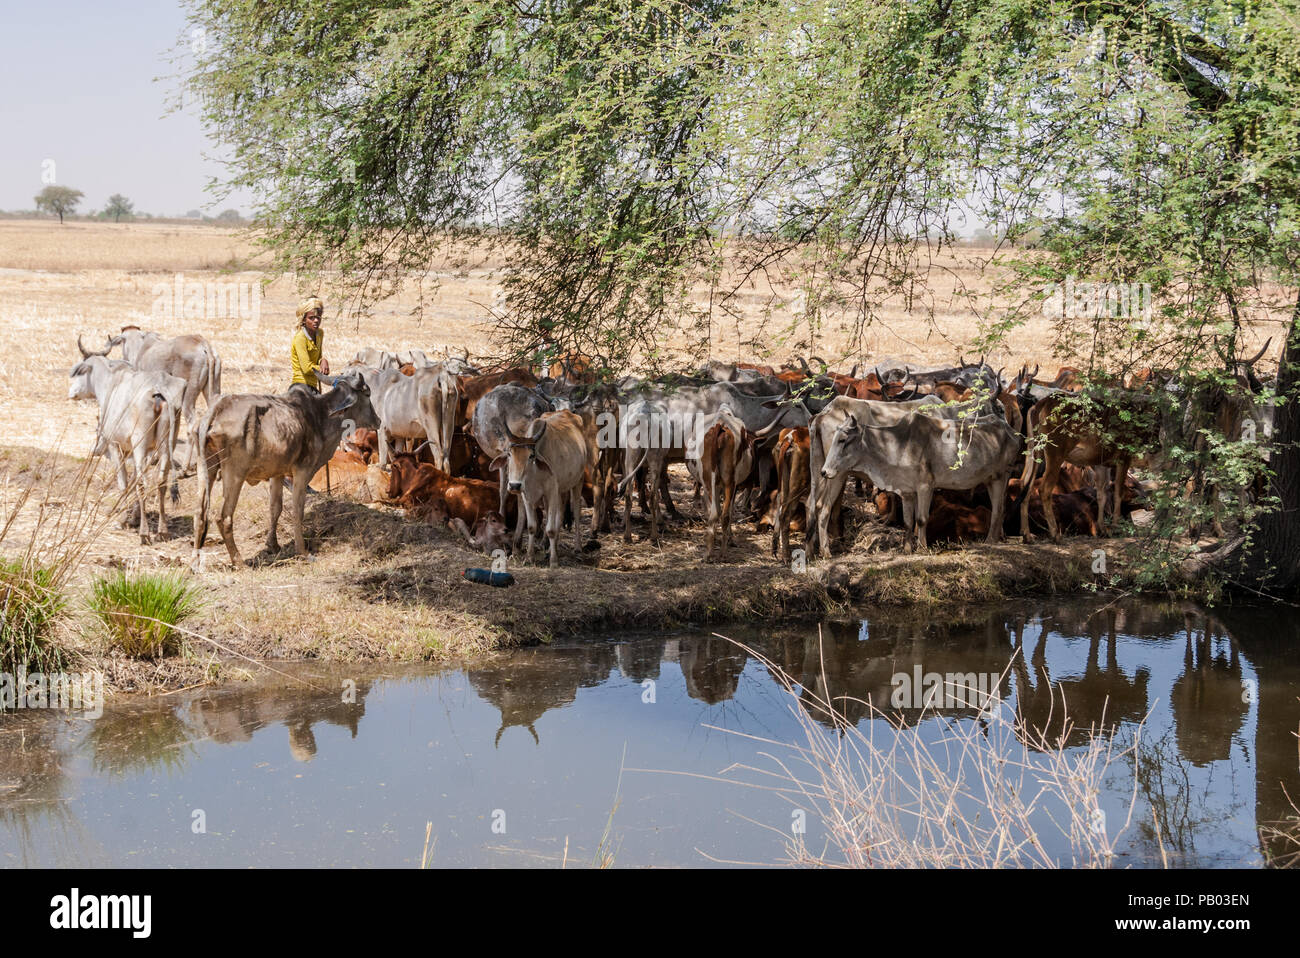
{"points": [[631, 474], [163, 410], [205, 483], [816, 456], [450, 411], [214, 376], [1030, 467]]}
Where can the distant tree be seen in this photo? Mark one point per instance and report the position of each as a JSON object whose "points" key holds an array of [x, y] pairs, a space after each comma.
{"points": [[194, 215], [230, 216], [119, 206], [58, 200]]}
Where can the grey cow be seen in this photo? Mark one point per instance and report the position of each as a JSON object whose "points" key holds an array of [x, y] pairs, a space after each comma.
{"points": [[190, 358], [138, 417], [251, 438], [919, 453]]}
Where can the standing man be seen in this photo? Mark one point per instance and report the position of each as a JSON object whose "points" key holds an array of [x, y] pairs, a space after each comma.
{"points": [[308, 361], [306, 356]]}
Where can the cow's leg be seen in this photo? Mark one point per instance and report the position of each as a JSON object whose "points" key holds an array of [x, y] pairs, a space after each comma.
{"points": [[909, 521], [575, 503], [555, 524], [998, 496], [778, 508], [828, 495], [652, 503], [666, 488], [728, 479], [300, 479], [1100, 477], [1121, 480], [205, 503], [188, 400], [231, 485], [1027, 491], [923, 496], [1052, 460], [164, 471], [123, 482], [275, 487], [530, 513], [141, 457], [383, 446], [627, 514], [711, 514]]}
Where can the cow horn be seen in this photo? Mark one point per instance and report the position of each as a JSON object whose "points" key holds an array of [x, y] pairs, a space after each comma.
{"points": [[854, 373], [804, 363], [87, 353], [818, 360], [1259, 355], [511, 435]]}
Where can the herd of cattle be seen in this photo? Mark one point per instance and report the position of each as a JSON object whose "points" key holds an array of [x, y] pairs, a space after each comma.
{"points": [[483, 450]]}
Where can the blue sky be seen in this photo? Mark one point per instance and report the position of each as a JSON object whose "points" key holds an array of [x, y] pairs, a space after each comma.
{"points": [[77, 87]]}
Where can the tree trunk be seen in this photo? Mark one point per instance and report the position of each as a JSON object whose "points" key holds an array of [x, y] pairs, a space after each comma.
{"points": [[1269, 561]]}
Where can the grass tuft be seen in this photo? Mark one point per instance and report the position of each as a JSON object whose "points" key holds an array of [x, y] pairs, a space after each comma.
{"points": [[140, 611], [31, 602]]}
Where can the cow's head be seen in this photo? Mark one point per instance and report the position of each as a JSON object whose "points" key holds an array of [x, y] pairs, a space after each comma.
{"points": [[350, 400], [81, 385], [521, 455], [843, 448]]}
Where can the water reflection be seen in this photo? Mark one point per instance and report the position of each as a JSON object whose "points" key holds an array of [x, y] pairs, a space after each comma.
{"points": [[1217, 690]]}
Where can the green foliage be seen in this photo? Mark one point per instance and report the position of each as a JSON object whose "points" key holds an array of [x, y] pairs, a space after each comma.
{"points": [[58, 200], [119, 206], [31, 603], [140, 611]]}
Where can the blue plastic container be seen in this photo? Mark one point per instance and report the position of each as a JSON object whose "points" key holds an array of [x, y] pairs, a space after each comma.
{"points": [[488, 577]]}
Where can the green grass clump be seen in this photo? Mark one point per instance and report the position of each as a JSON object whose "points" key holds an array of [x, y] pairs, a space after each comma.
{"points": [[30, 604], [140, 611]]}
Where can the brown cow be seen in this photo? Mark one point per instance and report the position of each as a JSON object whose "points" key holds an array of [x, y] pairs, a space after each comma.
{"points": [[1097, 439], [726, 458], [489, 534], [423, 489], [791, 458]]}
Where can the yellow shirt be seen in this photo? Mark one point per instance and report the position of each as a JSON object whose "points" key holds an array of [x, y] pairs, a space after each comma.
{"points": [[306, 357]]}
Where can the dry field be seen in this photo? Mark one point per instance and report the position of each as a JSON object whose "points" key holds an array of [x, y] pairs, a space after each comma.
{"points": [[379, 586]]}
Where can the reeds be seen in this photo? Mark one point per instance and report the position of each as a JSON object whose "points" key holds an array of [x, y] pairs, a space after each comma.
{"points": [[55, 535], [947, 792]]}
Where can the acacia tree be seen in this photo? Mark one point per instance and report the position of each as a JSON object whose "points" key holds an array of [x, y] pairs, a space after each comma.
{"points": [[58, 200], [119, 206], [629, 152]]}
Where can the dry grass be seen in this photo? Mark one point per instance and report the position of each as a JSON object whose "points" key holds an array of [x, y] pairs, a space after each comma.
{"points": [[992, 792]]}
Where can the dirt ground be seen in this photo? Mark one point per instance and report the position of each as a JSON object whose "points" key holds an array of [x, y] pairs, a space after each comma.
{"points": [[378, 585]]}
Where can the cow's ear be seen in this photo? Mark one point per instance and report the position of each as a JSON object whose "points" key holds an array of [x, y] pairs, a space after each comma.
{"points": [[497, 464], [338, 403]]}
